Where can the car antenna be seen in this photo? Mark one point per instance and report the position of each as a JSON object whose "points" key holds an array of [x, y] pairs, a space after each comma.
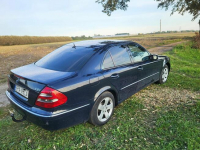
{"points": [[74, 46]]}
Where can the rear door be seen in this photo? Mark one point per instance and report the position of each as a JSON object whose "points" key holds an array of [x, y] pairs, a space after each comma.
{"points": [[119, 71], [148, 70]]}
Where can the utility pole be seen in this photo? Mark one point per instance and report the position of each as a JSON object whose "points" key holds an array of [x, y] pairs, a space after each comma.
{"points": [[160, 25]]}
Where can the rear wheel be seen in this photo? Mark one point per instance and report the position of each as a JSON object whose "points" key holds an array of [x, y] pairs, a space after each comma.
{"points": [[164, 75], [102, 109]]}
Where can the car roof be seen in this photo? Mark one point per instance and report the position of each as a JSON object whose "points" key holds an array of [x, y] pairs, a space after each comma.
{"points": [[96, 43]]}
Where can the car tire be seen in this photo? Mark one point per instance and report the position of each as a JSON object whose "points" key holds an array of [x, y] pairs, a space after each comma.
{"points": [[163, 75], [103, 109]]}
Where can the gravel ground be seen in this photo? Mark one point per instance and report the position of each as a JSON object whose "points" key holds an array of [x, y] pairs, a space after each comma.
{"points": [[156, 97], [161, 94], [3, 100]]}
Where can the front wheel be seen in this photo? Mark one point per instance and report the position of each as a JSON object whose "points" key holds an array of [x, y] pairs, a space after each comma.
{"points": [[164, 75], [102, 109]]}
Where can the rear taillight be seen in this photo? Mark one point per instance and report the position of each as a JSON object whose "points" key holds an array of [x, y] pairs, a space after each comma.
{"points": [[50, 98]]}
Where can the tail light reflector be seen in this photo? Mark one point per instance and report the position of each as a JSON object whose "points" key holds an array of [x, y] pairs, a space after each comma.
{"points": [[50, 98]]}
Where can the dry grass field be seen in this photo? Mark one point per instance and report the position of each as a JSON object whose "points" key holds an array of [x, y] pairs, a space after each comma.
{"points": [[19, 55], [22, 40], [162, 35]]}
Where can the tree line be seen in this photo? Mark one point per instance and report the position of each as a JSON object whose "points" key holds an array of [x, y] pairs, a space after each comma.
{"points": [[182, 31], [20, 40], [83, 37]]}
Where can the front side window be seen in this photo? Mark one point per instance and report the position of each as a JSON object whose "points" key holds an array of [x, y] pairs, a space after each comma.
{"points": [[107, 63], [138, 54], [120, 56]]}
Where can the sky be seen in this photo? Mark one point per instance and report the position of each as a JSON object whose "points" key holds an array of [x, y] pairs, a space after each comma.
{"points": [[85, 17]]}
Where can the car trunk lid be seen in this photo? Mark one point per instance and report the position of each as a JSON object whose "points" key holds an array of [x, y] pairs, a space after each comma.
{"points": [[27, 82], [41, 75]]}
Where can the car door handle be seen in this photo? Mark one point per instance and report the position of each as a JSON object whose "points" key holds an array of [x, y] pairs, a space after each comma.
{"points": [[140, 68], [114, 76]]}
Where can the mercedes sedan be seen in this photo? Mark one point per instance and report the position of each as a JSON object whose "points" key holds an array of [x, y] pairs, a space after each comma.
{"points": [[83, 81]]}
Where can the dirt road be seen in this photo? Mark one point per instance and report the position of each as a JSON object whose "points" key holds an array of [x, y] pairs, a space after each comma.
{"points": [[157, 50], [164, 48]]}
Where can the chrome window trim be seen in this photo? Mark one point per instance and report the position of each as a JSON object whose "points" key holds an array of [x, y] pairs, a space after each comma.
{"points": [[139, 80], [39, 115], [131, 64]]}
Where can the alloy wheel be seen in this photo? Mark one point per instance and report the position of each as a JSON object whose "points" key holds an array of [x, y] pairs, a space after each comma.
{"points": [[105, 109], [165, 74]]}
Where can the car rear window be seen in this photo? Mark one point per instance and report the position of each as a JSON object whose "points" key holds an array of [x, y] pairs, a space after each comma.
{"points": [[66, 58]]}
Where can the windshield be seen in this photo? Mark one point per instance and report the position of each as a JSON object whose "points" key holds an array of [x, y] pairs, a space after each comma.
{"points": [[66, 58]]}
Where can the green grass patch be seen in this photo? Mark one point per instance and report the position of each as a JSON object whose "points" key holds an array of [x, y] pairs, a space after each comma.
{"points": [[124, 128], [185, 67], [131, 127], [178, 128]]}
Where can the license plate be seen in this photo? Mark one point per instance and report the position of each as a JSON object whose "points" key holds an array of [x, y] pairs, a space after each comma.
{"points": [[24, 92]]}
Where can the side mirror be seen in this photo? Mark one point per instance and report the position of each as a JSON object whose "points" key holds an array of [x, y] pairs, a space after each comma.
{"points": [[153, 57]]}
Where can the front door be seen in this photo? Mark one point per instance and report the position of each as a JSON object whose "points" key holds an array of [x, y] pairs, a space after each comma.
{"points": [[148, 70]]}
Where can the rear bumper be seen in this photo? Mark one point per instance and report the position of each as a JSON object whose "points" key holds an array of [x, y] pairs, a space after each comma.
{"points": [[50, 120]]}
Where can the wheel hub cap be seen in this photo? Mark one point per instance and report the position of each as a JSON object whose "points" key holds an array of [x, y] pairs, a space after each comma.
{"points": [[165, 75], [105, 109]]}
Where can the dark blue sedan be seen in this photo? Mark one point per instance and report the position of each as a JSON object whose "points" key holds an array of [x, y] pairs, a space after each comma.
{"points": [[83, 81]]}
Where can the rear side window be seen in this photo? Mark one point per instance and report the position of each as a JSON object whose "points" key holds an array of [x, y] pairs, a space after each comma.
{"points": [[107, 63], [66, 59], [120, 55]]}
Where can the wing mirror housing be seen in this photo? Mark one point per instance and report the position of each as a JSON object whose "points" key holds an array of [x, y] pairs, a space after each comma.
{"points": [[153, 57]]}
